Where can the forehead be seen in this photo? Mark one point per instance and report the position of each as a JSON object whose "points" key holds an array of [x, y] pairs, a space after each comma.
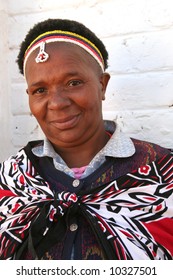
{"points": [[62, 54]]}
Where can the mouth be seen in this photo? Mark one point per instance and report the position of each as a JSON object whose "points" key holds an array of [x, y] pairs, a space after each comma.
{"points": [[66, 123]]}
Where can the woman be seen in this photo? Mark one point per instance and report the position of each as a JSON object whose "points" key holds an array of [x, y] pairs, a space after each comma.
{"points": [[86, 191]]}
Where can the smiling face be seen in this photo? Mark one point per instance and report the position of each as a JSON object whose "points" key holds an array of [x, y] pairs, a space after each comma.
{"points": [[66, 93]]}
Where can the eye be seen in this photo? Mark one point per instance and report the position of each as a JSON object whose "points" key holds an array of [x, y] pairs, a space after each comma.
{"points": [[39, 91], [74, 83]]}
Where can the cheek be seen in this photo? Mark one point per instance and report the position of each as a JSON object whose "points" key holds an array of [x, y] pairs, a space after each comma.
{"points": [[92, 97], [93, 109], [36, 107], [32, 105]]}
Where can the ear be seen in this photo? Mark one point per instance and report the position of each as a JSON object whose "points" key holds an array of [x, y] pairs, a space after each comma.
{"points": [[104, 79]]}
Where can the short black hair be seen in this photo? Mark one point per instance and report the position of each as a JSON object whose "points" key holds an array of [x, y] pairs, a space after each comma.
{"points": [[64, 25]]}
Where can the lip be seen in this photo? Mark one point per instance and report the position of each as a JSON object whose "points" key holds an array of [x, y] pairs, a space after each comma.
{"points": [[66, 123]]}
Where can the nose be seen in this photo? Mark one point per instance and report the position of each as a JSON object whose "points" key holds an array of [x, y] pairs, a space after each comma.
{"points": [[58, 99]]}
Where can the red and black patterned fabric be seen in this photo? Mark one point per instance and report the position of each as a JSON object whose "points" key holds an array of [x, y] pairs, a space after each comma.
{"points": [[131, 217]]}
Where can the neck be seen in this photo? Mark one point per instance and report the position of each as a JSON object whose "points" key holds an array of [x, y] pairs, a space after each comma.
{"points": [[81, 155]]}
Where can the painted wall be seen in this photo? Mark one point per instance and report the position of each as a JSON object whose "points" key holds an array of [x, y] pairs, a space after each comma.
{"points": [[139, 37]]}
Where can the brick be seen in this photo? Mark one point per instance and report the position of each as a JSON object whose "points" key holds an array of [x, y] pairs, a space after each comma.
{"points": [[139, 91], [138, 36], [141, 52], [25, 128], [19, 99], [150, 125]]}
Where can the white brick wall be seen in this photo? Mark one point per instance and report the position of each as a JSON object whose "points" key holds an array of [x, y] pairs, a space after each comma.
{"points": [[139, 38]]}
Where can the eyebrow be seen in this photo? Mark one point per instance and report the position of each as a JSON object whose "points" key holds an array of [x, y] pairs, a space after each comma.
{"points": [[69, 74]]}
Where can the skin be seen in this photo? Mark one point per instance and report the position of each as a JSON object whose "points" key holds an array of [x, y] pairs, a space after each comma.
{"points": [[65, 96]]}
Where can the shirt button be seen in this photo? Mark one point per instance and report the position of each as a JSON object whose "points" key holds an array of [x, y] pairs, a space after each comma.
{"points": [[76, 183], [73, 227]]}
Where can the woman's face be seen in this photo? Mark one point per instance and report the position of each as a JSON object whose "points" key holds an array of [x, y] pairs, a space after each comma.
{"points": [[66, 93]]}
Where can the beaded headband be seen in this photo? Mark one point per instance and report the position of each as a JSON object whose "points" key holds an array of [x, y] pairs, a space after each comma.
{"points": [[61, 36]]}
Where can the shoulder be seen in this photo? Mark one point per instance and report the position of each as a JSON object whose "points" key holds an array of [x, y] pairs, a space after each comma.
{"points": [[20, 160], [149, 151], [33, 144], [145, 154]]}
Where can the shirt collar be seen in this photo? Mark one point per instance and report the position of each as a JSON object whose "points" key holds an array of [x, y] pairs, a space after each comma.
{"points": [[119, 145]]}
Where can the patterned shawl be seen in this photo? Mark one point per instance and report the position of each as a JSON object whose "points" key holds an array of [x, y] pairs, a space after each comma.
{"points": [[132, 217]]}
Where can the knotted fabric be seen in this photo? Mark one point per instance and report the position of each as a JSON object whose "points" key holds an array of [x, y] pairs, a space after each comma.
{"points": [[132, 217]]}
